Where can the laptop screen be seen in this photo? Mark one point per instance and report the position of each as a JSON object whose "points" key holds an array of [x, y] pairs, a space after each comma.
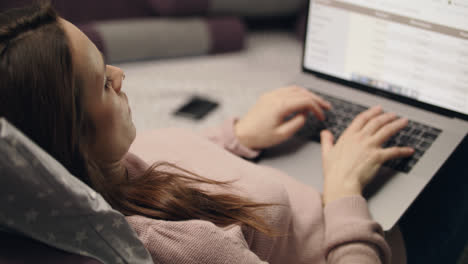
{"points": [[417, 49]]}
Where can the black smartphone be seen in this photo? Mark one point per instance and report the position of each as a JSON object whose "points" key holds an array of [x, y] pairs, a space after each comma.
{"points": [[196, 108]]}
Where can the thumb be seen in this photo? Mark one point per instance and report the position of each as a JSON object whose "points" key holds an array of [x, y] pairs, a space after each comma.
{"points": [[289, 127], [326, 139]]}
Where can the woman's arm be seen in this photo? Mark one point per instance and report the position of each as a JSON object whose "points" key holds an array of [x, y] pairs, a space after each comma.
{"points": [[225, 137], [351, 236], [275, 117]]}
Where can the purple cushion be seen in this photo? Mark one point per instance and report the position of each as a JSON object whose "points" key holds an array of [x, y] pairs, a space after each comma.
{"points": [[156, 38], [180, 7], [301, 26], [242, 8], [85, 11], [90, 10], [227, 34], [16, 249]]}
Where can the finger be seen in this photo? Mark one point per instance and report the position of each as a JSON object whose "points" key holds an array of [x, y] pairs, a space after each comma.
{"points": [[295, 90], [303, 104], [326, 140], [377, 122], [288, 128], [390, 129], [289, 89], [395, 153], [362, 119], [322, 102]]}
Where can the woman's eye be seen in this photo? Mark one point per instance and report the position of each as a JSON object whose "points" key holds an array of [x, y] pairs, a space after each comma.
{"points": [[108, 83]]}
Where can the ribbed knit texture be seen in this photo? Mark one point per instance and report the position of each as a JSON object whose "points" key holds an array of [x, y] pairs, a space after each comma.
{"points": [[343, 232]]}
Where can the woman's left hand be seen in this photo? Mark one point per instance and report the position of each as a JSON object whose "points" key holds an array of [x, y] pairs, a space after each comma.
{"points": [[265, 124]]}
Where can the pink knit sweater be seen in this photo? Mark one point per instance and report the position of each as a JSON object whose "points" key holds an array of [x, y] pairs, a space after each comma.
{"points": [[342, 232]]}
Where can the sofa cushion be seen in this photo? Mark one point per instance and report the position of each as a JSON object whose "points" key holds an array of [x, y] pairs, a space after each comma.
{"points": [[156, 38], [41, 200], [244, 8]]}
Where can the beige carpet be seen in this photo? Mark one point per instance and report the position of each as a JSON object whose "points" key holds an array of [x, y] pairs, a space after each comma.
{"points": [[156, 88]]}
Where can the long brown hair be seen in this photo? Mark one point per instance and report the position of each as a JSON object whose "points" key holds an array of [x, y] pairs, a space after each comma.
{"points": [[40, 94]]}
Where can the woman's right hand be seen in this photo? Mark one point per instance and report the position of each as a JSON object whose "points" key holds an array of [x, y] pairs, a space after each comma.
{"points": [[351, 163]]}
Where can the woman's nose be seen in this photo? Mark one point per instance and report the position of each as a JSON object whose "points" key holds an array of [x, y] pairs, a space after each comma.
{"points": [[118, 76]]}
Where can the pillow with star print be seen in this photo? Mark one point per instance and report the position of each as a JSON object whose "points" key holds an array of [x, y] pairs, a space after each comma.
{"points": [[40, 199]]}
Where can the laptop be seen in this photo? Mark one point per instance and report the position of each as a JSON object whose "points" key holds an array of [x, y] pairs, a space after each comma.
{"points": [[410, 57]]}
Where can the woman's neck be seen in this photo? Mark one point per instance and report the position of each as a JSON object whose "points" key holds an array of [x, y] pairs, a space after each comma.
{"points": [[116, 170]]}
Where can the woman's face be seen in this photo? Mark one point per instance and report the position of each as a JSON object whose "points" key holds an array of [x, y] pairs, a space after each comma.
{"points": [[104, 101]]}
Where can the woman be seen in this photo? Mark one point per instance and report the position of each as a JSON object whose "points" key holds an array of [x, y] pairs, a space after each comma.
{"points": [[56, 88]]}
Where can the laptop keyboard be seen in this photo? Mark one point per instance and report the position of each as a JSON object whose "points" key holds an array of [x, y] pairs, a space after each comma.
{"points": [[415, 134]]}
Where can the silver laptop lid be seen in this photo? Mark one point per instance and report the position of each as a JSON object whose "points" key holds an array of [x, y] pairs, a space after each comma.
{"points": [[413, 51]]}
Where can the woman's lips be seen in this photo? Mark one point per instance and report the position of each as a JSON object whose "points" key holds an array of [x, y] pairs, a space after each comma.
{"points": [[128, 104]]}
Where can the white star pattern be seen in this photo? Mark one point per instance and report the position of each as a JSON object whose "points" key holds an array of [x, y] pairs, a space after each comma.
{"points": [[129, 251], [92, 194], [13, 142], [81, 236], [19, 161], [31, 215], [117, 223], [51, 237]]}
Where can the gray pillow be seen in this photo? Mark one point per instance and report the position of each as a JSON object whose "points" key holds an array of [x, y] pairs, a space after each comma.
{"points": [[42, 200]]}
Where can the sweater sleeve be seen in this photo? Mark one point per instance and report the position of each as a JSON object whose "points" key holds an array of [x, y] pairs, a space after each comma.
{"points": [[192, 241], [351, 236], [225, 137]]}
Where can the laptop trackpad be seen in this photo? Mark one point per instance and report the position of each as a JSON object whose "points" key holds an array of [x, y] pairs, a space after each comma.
{"points": [[302, 159], [297, 157]]}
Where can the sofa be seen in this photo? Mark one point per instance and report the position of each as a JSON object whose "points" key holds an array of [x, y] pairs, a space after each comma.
{"points": [[226, 54], [237, 55]]}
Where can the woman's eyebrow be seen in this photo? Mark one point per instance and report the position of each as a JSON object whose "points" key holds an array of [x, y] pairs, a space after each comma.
{"points": [[103, 60], [104, 63]]}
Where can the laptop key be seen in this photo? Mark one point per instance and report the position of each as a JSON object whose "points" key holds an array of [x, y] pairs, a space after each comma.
{"points": [[424, 145], [429, 135], [416, 135], [406, 129], [416, 132]]}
